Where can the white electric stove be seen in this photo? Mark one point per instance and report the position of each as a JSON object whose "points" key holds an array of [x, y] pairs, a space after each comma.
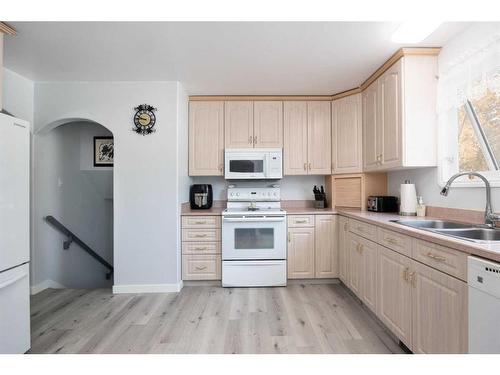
{"points": [[253, 238]]}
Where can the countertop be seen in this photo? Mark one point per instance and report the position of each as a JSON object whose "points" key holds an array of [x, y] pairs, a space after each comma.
{"points": [[485, 250]]}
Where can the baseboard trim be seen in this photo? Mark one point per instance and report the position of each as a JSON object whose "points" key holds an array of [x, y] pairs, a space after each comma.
{"points": [[46, 284], [148, 288]]}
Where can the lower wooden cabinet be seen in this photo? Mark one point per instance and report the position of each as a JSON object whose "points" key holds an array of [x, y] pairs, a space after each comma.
{"points": [[439, 309], [343, 231], [312, 246], [394, 293], [325, 247], [300, 253], [363, 269]]}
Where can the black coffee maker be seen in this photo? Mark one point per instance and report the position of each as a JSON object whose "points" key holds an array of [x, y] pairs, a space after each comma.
{"points": [[201, 196]]}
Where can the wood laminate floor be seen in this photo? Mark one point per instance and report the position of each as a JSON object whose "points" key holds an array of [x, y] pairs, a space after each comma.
{"points": [[206, 319]]}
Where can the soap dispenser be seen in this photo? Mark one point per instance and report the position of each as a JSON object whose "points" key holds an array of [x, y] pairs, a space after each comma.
{"points": [[420, 206]]}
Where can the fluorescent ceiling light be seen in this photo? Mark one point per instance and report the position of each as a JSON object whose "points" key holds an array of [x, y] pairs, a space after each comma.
{"points": [[414, 32]]}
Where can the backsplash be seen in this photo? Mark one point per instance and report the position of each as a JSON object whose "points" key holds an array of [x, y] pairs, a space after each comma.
{"points": [[292, 187]]}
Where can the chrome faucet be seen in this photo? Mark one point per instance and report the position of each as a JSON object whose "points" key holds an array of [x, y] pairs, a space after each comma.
{"points": [[490, 218]]}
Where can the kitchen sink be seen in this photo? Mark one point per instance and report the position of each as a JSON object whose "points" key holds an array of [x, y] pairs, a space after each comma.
{"points": [[432, 224], [459, 230]]}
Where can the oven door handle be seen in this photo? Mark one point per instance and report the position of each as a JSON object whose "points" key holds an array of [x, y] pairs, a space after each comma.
{"points": [[253, 219]]}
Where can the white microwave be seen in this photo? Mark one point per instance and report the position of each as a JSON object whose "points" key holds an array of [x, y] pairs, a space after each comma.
{"points": [[253, 164]]}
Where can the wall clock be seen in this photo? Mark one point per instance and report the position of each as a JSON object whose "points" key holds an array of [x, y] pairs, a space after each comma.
{"points": [[144, 119]]}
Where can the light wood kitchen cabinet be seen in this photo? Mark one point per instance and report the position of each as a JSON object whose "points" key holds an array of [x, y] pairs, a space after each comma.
{"points": [[347, 142], [307, 138], [238, 123], [326, 248], [206, 138], [399, 116], [268, 124], [363, 269], [394, 293], [300, 253], [319, 141], [343, 232], [439, 307], [295, 138]]}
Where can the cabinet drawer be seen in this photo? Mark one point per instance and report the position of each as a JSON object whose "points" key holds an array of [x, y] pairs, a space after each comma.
{"points": [[301, 220], [201, 221], [201, 267], [364, 230], [201, 235], [394, 241], [201, 248], [453, 262]]}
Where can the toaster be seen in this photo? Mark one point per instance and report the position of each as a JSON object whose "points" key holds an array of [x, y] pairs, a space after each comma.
{"points": [[381, 203]]}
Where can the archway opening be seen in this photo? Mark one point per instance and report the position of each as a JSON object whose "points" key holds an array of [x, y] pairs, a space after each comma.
{"points": [[73, 173]]}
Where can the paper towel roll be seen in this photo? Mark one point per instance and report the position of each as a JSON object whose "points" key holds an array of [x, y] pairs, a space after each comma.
{"points": [[408, 205]]}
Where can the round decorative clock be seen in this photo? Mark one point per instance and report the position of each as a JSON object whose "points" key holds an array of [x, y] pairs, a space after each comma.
{"points": [[144, 119]]}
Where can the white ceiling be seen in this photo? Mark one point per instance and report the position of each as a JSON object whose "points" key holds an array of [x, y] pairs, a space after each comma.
{"points": [[210, 57]]}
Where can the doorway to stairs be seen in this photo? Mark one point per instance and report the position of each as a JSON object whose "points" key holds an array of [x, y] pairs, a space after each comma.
{"points": [[73, 190]]}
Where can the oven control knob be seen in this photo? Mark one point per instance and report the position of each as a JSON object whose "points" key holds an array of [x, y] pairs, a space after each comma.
{"points": [[237, 194]]}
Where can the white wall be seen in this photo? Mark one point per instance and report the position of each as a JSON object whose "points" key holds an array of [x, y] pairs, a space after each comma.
{"points": [[146, 222], [80, 199], [18, 95], [292, 187], [426, 183]]}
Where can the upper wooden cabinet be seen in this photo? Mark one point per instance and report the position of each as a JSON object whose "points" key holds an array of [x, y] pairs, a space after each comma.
{"points": [[268, 124], [254, 124], [307, 138], [399, 116], [346, 135], [238, 118], [206, 138]]}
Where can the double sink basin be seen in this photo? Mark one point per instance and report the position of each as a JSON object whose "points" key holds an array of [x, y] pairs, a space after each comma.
{"points": [[476, 233]]}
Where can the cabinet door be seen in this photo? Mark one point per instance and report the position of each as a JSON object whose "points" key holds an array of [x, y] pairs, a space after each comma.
{"points": [[326, 248], [391, 116], [343, 230], [319, 137], [268, 124], [355, 263], [295, 138], [370, 127], [369, 274], [300, 253], [206, 138], [439, 304], [346, 135], [238, 116], [394, 293]]}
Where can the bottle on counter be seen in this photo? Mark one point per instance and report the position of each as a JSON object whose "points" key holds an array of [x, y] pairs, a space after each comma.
{"points": [[421, 208]]}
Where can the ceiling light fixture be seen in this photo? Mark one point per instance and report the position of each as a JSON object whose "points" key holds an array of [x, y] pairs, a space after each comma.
{"points": [[414, 32]]}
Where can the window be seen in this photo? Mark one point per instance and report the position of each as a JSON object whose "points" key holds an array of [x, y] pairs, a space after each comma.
{"points": [[468, 105], [479, 134]]}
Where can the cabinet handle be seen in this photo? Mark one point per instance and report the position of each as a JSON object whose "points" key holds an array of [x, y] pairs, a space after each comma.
{"points": [[405, 273], [200, 222], [300, 221], [289, 238], [439, 258], [361, 248], [392, 241], [200, 268], [310, 166], [201, 248], [333, 166], [200, 235], [413, 278], [255, 140], [250, 139], [305, 166], [220, 167]]}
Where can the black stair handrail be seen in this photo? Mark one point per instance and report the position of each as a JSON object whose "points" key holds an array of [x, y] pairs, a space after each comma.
{"points": [[74, 238]]}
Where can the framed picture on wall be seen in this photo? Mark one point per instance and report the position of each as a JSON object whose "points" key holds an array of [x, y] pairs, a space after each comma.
{"points": [[104, 151]]}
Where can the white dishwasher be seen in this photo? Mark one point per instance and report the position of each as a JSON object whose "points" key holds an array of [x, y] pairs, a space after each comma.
{"points": [[484, 306]]}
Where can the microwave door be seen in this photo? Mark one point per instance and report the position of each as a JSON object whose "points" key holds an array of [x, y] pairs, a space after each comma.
{"points": [[246, 168]]}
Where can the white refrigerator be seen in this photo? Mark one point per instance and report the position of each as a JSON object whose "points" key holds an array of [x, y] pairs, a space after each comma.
{"points": [[14, 235]]}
